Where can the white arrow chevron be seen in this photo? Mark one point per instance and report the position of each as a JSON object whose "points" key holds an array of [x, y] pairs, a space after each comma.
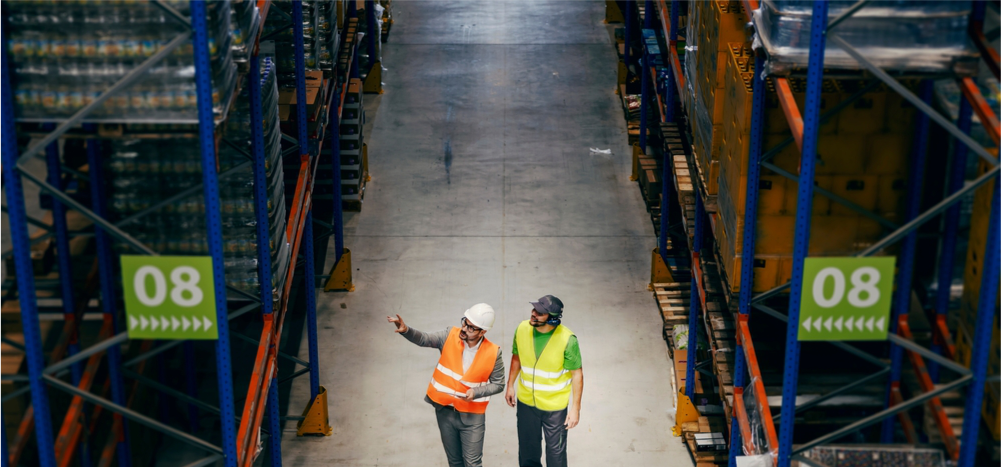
{"points": [[827, 324], [174, 323], [198, 324], [206, 323], [868, 324], [859, 322], [849, 325], [164, 323], [143, 323], [837, 323], [880, 323], [817, 323], [156, 324], [806, 324], [133, 322], [186, 323]]}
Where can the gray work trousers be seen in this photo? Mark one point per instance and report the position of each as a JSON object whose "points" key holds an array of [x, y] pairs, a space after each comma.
{"points": [[463, 442], [533, 426]]}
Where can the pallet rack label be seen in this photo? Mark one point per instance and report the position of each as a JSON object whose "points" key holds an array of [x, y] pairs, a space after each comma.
{"points": [[846, 299], [169, 297]]}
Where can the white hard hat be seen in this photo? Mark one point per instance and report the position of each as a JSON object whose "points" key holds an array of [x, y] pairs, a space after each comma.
{"points": [[481, 315]]}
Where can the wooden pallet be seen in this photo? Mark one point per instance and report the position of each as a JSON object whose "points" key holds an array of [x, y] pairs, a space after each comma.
{"points": [[711, 424], [709, 201], [673, 302], [675, 149]]}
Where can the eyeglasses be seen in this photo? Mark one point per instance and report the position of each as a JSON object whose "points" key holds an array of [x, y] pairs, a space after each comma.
{"points": [[469, 327]]}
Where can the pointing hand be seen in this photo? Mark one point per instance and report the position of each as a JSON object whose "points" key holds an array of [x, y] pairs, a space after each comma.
{"points": [[400, 327]]}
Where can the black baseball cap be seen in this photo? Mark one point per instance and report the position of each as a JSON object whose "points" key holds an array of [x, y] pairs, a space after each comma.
{"points": [[548, 304]]}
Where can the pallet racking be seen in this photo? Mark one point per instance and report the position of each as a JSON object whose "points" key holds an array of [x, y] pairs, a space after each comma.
{"points": [[755, 431], [310, 223]]}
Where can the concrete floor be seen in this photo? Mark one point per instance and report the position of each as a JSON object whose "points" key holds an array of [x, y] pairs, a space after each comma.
{"points": [[484, 190]]}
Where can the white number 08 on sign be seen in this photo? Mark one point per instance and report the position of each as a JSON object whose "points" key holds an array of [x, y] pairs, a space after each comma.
{"points": [[169, 297], [846, 298], [183, 278]]}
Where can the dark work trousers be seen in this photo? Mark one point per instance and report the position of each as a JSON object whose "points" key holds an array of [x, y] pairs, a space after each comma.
{"points": [[463, 442], [533, 425]]}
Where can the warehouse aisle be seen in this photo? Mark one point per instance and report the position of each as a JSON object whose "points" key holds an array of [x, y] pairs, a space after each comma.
{"points": [[484, 190]]}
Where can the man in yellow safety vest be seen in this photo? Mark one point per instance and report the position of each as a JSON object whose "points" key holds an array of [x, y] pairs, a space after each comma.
{"points": [[469, 371], [545, 365]]}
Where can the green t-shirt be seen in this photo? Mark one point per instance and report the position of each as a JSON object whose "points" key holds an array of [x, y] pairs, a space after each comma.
{"points": [[571, 355]]}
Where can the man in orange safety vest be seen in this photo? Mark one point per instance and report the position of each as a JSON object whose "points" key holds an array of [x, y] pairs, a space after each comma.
{"points": [[469, 371]]}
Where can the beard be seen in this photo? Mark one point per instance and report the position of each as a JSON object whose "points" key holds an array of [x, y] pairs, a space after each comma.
{"points": [[536, 324]]}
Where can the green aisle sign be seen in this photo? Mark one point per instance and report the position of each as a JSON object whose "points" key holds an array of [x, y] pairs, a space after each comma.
{"points": [[169, 297], [846, 299]]}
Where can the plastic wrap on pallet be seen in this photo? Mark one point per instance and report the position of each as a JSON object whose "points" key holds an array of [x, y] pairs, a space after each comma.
{"points": [[246, 19], [877, 456], [145, 171], [66, 54], [898, 35], [759, 440]]}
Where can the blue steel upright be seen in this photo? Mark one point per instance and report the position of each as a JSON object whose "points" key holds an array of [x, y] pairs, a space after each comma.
{"points": [[54, 175], [669, 103], [300, 78], [18, 222], [627, 31], [694, 302], [645, 78], [259, 153], [750, 232], [905, 267], [804, 208], [370, 22], [213, 225], [335, 155], [950, 228], [109, 305], [982, 335], [644, 98], [309, 284], [985, 309]]}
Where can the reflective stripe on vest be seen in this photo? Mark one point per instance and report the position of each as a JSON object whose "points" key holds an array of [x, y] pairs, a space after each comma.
{"points": [[449, 383], [543, 382]]}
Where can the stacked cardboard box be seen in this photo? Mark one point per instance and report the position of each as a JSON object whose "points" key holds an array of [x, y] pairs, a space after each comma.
{"points": [[862, 157], [714, 25]]}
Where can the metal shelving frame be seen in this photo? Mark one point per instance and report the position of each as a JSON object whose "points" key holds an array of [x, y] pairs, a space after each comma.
{"points": [[238, 435], [805, 127]]}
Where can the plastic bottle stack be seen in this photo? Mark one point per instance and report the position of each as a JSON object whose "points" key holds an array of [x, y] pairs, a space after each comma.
{"points": [[147, 171], [66, 54]]}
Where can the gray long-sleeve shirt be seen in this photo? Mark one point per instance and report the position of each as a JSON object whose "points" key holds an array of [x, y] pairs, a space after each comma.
{"points": [[437, 340]]}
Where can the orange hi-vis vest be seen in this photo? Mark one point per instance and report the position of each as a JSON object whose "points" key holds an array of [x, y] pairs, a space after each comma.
{"points": [[449, 384]]}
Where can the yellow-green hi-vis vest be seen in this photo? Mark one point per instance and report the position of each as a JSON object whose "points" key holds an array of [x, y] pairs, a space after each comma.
{"points": [[543, 382]]}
